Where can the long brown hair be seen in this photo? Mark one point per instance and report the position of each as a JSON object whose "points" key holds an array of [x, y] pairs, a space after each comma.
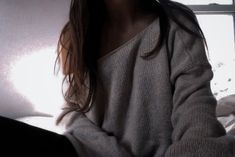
{"points": [[79, 38]]}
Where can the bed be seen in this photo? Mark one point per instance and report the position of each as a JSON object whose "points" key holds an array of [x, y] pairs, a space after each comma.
{"points": [[225, 112]]}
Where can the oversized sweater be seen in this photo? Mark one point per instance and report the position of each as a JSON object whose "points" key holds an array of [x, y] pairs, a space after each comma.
{"points": [[161, 107]]}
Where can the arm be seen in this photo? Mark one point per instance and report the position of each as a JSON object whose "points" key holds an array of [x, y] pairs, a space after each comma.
{"points": [[196, 131], [93, 141]]}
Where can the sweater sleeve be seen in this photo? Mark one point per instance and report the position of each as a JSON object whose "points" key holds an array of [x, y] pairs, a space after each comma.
{"points": [[93, 141], [196, 130]]}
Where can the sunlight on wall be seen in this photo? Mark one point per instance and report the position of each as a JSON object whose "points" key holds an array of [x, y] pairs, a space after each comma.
{"points": [[32, 76]]}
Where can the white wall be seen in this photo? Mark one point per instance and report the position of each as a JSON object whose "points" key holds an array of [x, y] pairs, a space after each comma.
{"points": [[29, 30]]}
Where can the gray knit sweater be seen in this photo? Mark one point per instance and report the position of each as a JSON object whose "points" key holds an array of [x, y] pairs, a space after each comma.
{"points": [[152, 108]]}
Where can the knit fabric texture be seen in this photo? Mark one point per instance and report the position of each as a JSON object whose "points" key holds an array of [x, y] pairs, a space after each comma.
{"points": [[160, 107]]}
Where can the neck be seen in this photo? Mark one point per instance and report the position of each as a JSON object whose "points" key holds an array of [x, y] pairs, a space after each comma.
{"points": [[124, 11]]}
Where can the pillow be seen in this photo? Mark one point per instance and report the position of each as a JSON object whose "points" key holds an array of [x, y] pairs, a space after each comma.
{"points": [[226, 106]]}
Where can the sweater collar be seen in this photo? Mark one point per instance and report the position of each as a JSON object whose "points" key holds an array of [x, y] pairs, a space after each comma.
{"points": [[150, 37]]}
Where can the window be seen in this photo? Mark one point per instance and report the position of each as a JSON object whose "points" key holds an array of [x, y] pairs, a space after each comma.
{"points": [[216, 18], [205, 2]]}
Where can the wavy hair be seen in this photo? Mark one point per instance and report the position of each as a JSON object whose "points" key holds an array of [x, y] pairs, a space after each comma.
{"points": [[79, 38]]}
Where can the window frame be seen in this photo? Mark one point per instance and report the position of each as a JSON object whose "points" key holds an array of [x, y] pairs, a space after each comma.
{"points": [[214, 9]]}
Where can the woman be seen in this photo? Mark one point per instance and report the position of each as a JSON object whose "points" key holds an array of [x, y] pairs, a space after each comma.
{"points": [[139, 81], [138, 85]]}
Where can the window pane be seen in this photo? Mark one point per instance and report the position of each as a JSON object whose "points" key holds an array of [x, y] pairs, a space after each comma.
{"points": [[204, 2], [219, 32]]}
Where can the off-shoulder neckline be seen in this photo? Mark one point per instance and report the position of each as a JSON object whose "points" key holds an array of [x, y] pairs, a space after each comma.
{"points": [[136, 36]]}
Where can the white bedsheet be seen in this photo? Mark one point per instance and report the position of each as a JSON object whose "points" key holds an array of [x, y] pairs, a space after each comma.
{"points": [[225, 112], [47, 123]]}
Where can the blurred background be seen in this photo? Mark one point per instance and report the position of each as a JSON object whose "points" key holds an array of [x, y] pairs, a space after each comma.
{"points": [[29, 31], [217, 20]]}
